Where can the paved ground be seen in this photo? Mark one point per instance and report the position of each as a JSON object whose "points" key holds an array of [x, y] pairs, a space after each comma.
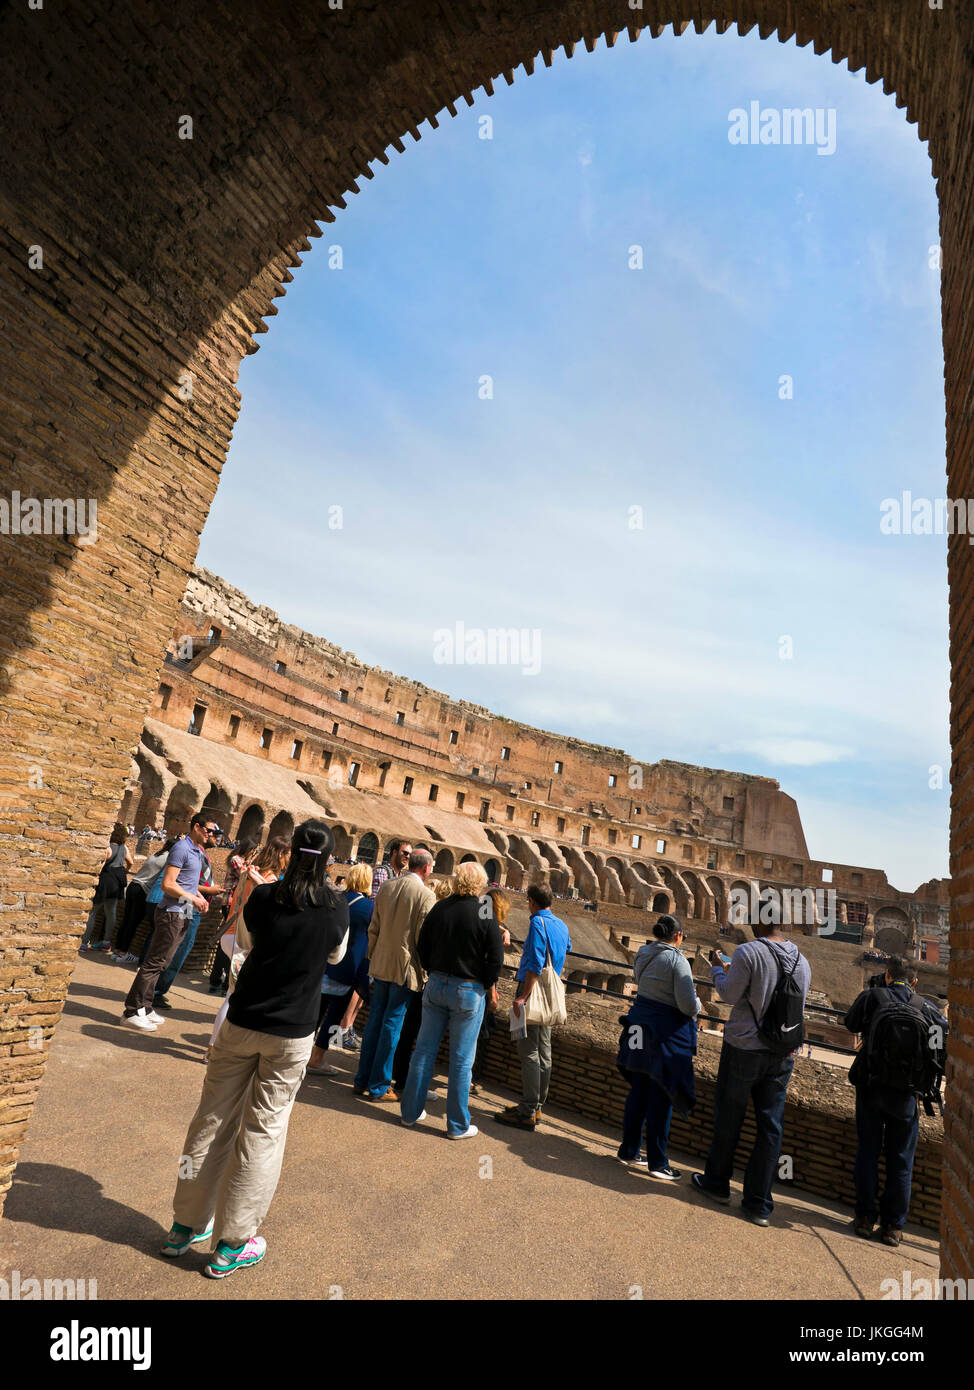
{"points": [[375, 1211]]}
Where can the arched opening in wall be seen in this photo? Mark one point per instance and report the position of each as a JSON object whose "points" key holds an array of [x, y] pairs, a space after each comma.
{"points": [[469, 859], [719, 890], [296, 204], [444, 862], [151, 793], [574, 982], [282, 825], [251, 825], [739, 903], [343, 843], [492, 869], [368, 848], [516, 877], [662, 902], [219, 805], [893, 931], [559, 878], [678, 891], [180, 808]]}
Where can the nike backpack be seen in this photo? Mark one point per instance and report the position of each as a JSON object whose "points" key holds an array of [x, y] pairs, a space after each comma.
{"points": [[782, 1025]]}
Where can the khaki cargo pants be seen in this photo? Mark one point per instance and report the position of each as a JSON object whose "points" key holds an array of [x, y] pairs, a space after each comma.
{"points": [[231, 1160]]}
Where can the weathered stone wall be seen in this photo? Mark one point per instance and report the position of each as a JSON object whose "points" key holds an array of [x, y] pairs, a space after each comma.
{"points": [[162, 256]]}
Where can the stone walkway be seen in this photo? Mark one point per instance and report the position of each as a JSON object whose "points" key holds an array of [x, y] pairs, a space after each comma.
{"points": [[366, 1209]]}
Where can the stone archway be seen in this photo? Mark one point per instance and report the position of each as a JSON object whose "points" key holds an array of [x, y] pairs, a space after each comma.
{"points": [[251, 825], [444, 861], [143, 318], [368, 848], [282, 825]]}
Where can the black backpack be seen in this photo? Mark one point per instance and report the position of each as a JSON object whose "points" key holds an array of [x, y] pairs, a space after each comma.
{"points": [[905, 1048], [782, 1025]]}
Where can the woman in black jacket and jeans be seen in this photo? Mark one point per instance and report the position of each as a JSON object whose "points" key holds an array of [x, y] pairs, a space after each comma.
{"points": [[232, 1156], [462, 950]]}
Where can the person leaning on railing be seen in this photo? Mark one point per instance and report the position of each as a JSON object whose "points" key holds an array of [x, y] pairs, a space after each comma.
{"points": [[657, 1047]]}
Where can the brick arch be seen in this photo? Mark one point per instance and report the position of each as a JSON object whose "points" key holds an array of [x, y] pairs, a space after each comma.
{"points": [[132, 297]]}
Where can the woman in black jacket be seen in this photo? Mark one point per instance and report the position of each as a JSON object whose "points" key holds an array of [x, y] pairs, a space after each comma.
{"points": [[232, 1156], [462, 950]]}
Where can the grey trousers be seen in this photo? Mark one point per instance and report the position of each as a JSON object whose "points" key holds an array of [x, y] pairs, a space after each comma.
{"points": [[232, 1156], [534, 1050]]}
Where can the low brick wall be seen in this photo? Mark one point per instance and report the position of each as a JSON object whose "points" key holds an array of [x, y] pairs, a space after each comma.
{"points": [[819, 1125]]}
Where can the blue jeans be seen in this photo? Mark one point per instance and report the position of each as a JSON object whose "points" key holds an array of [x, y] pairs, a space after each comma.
{"points": [[387, 1009], [176, 964], [448, 1000], [896, 1139], [761, 1077], [647, 1106]]}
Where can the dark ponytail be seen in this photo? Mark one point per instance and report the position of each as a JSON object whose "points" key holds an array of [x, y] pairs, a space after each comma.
{"points": [[306, 881]]}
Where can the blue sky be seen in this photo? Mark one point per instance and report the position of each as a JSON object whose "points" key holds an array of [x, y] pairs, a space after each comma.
{"points": [[616, 388]]}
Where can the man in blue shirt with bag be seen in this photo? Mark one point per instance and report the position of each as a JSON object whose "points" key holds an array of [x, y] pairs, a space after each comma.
{"points": [[547, 939]]}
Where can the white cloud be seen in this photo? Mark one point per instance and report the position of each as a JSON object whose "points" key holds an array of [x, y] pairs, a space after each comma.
{"points": [[791, 752]]}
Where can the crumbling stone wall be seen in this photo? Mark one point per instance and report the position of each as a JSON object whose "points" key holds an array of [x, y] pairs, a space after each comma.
{"points": [[162, 257]]}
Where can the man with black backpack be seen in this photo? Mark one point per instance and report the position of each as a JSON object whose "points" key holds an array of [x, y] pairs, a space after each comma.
{"points": [[901, 1060], [767, 983]]}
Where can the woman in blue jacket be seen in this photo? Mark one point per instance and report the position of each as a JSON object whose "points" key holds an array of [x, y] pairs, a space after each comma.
{"points": [[657, 1047], [352, 971]]}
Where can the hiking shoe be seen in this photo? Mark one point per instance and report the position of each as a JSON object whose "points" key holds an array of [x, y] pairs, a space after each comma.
{"points": [[409, 1123], [180, 1239], [140, 1020], [864, 1228], [468, 1133], [387, 1098], [696, 1181], [227, 1259], [351, 1040], [666, 1173], [537, 1116], [890, 1237], [511, 1117], [162, 1001]]}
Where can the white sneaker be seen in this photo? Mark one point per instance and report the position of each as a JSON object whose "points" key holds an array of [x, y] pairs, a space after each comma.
{"points": [[468, 1133], [409, 1123], [140, 1020], [155, 1018]]}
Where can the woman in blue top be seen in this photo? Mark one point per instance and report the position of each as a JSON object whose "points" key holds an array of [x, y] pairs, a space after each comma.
{"points": [[351, 974], [657, 1047]]}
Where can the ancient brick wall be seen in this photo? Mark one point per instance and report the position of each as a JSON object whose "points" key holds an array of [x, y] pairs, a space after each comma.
{"points": [[161, 259]]}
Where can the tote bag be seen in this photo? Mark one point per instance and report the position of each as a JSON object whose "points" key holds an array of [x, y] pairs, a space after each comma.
{"points": [[546, 1002]]}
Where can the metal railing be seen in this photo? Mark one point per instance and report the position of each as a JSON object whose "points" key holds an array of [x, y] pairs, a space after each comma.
{"points": [[583, 987]]}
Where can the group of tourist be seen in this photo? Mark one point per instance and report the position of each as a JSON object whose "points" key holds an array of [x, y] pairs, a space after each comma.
{"points": [[300, 955]]}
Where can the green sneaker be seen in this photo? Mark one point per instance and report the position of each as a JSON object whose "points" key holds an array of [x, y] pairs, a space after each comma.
{"points": [[227, 1258], [180, 1238]]}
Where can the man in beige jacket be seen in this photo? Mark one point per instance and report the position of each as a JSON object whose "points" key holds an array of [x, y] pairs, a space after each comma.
{"points": [[401, 904]]}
